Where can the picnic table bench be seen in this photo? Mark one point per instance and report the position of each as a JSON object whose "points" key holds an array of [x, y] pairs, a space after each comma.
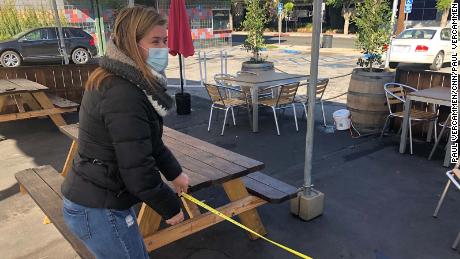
{"points": [[30, 100], [204, 163]]}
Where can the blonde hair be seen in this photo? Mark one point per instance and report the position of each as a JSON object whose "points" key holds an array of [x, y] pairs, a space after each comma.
{"points": [[131, 24]]}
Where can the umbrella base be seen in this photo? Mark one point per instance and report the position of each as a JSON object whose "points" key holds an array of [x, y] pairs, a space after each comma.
{"points": [[308, 207], [183, 103]]}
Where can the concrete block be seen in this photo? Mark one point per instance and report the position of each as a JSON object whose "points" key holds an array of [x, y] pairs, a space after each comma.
{"points": [[308, 207]]}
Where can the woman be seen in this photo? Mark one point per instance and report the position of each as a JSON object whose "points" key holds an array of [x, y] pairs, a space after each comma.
{"points": [[120, 150]]}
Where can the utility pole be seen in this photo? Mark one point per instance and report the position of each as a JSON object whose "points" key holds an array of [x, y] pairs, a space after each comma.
{"points": [[62, 46], [401, 17]]}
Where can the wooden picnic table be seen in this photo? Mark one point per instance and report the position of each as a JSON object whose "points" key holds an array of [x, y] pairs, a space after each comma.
{"points": [[262, 79], [435, 95], [31, 101], [206, 165]]}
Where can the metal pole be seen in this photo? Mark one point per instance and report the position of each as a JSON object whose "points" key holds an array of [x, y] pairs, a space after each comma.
{"points": [[226, 65], [181, 75], [285, 22], [405, 22], [392, 26], [312, 95], [205, 68], [183, 72], [221, 61], [279, 29], [61, 34], [201, 69]]}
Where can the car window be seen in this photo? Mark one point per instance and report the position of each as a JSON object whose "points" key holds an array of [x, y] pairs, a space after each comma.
{"points": [[67, 33], [417, 34], [445, 34], [78, 33], [52, 35], [41, 34]]}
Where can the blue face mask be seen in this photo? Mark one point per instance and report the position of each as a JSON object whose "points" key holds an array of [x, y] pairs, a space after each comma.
{"points": [[157, 58]]}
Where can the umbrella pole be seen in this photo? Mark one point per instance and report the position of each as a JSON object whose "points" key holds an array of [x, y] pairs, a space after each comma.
{"points": [[181, 79], [309, 203]]}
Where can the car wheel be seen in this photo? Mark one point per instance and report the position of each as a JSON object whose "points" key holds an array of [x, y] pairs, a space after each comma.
{"points": [[10, 59], [438, 61], [80, 56], [393, 65]]}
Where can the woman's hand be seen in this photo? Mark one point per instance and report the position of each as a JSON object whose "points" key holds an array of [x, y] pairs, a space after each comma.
{"points": [[181, 183], [176, 219]]}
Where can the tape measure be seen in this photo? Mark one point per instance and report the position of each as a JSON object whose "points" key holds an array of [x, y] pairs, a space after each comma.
{"points": [[220, 214]]}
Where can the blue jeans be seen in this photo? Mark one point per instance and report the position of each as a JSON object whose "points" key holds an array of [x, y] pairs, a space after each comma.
{"points": [[106, 233]]}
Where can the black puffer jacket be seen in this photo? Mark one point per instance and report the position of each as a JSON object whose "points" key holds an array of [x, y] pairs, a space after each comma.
{"points": [[120, 150]]}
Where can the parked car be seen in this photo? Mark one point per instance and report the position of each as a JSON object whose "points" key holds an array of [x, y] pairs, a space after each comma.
{"points": [[428, 45], [42, 44]]}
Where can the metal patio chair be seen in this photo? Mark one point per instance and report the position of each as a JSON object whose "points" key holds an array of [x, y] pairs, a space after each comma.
{"points": [[445, 125], [222, 101], [222, 80], [396, 93], [284, 100], [320, 89], [453, 177]]}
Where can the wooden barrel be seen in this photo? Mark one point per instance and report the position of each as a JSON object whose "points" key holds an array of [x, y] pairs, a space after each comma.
{"points": [[366, 99]]}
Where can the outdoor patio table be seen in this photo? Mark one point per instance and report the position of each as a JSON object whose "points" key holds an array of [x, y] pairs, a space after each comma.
{"points": [[23, 91], [206, 165], [262, 79], [435, 95]]}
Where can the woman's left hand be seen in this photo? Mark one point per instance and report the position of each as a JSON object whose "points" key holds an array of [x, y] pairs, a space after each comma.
{"points": [[181, 183]]}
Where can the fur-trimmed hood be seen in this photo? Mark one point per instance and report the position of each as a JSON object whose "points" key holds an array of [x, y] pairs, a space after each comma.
{"points": [[117, 63]]}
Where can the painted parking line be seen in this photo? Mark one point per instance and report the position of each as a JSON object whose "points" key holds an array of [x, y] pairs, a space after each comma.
{"points": [[295, 61]]}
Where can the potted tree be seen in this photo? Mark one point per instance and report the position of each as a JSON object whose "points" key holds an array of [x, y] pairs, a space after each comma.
{"points": [[254, 24], [366, 97]]}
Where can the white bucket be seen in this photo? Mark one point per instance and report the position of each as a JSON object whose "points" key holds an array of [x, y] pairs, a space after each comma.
{"points": [[342, 119]]}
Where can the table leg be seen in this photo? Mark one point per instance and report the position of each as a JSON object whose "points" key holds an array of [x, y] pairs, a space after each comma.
{"points": [[405, 124], [439, 137], [148, 220], [236, 190], [30, 101], [3, 101], [447, 155], [429, 134], [22, 189], [45, 103], [255, 109], [68, 162], [432, 126], [19, 103], [191, 208]]}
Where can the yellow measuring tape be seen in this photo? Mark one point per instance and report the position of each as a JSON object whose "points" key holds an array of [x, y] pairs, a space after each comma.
{"points": [[218, 213]]}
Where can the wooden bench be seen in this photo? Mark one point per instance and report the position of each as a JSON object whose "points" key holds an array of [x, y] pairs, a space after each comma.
{"points": [[60, 102], [43, 184]]}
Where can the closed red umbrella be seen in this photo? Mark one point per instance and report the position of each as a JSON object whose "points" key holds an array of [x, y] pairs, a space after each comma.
{"points": [[179, 34]]}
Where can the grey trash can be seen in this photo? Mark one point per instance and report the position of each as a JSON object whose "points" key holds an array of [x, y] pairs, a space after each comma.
{"points": [[327, 41]]}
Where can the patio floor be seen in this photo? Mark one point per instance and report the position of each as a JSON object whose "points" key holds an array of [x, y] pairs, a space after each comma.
{"points": [[378, 202]]}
